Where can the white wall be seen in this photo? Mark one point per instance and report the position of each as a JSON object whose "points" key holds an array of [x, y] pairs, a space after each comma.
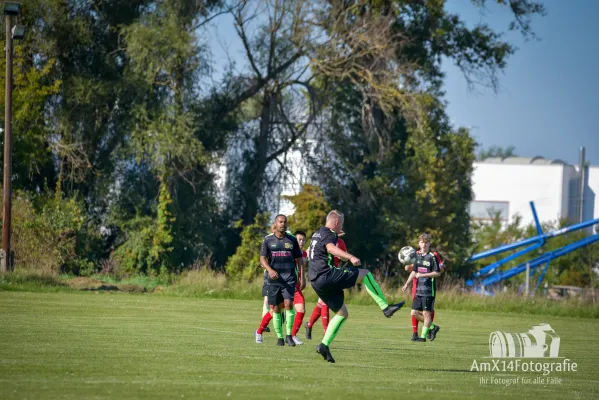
{"points": [[591, 195], [520, 183]]}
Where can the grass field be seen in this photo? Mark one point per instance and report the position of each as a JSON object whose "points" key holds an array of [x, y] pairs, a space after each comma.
{"points": [[86, 345]]}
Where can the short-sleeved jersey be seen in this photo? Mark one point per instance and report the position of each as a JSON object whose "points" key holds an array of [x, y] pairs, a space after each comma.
{"points": [[341, 245], [281, 254], [415, 281], [426, 263], [320, 261]]}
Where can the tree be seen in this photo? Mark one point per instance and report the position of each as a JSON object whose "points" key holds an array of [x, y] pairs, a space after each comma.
{"points": [[245, 263], [393, 163], [311, 209]]}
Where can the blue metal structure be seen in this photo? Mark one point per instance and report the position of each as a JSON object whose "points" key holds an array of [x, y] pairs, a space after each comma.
{"points": [[488, 276]]}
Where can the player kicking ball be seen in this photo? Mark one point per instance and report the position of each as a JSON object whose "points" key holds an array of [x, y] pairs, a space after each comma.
{"points": [[328, 281], [425, 270]]}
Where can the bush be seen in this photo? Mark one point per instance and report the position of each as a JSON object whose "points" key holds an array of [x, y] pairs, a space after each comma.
{"points": [[44, 232], [245, 263]]}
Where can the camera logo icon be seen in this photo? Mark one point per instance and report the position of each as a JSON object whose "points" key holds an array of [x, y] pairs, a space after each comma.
{"points": [[540, 341]]}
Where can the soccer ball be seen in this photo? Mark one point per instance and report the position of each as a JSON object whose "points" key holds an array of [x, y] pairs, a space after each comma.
{"points": [[407, 255]]}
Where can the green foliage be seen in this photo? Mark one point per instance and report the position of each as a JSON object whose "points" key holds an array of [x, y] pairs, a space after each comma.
{"points": [[45, 228], [245, 263], [32, 88], [116, 102], [495, 151], [391, 193], [311, 209], [149, 244], [163, 237], [133, 256]]}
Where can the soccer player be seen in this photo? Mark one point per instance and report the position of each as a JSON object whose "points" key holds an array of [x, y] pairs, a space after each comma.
{"points": [[280, 253], [425, 270], [299, 303], [266, 310], [328, 281], [321, 310], [419, 317]]}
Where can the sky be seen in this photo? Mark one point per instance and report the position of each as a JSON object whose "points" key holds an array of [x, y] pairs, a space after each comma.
{"points": [[549, 91], [547, 95]]}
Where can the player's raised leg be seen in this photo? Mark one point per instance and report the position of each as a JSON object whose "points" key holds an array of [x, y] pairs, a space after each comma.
{"points": [[374, 290]]}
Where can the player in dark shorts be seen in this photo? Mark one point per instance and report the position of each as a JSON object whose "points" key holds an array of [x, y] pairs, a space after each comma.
{"points": [[419, 316], [425, 270], [321, 310], [328, 281], [280, 254]]}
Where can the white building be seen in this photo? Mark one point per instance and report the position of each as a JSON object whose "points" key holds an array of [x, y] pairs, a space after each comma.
{"points": [[508, 185]]}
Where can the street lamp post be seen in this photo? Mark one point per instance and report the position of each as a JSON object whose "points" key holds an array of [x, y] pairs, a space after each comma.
{"points": [[11, 9]]}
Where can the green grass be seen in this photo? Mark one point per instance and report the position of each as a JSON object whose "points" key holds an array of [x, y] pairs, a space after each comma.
{"points": [[31, 282], [86, 345]]}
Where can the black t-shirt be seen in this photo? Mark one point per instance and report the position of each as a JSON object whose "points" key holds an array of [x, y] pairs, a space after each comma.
{"points": [[426, 263], [281, 254], [320, 260]]}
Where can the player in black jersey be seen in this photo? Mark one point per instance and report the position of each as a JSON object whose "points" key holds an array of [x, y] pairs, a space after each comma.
{"points": [[328, 281], [279, 255], [425, 270]]}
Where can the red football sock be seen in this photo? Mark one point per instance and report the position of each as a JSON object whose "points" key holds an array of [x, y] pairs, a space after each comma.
{"points": [[324, 314], [314, 317], [265, 320], [414, 324], [432, 315], [297, 322]]}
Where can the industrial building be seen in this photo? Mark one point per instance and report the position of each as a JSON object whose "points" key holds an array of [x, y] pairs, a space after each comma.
{"points": [[558, 189]]}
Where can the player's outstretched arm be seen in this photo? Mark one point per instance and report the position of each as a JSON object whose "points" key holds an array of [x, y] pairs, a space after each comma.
{"points": [[427, 275]]}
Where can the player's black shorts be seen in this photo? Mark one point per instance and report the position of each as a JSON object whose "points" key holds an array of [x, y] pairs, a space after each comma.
{"points": [[264, 288], [277, 293], [329, 287], [423, 303]]}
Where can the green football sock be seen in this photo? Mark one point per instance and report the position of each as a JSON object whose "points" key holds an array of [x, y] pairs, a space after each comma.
{"points": [[289, 318], [333, 328], [425, 331], [276, 317], [375, 291]]}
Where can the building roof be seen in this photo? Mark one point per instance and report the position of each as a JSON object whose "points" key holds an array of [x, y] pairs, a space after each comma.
{"points": [[538, 160]]}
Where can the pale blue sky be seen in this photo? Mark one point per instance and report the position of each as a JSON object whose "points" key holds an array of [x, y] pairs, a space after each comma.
{"points": [[548, 98]]}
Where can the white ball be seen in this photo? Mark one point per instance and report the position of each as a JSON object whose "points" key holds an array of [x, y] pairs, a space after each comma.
{"points": [[407, 255]]}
